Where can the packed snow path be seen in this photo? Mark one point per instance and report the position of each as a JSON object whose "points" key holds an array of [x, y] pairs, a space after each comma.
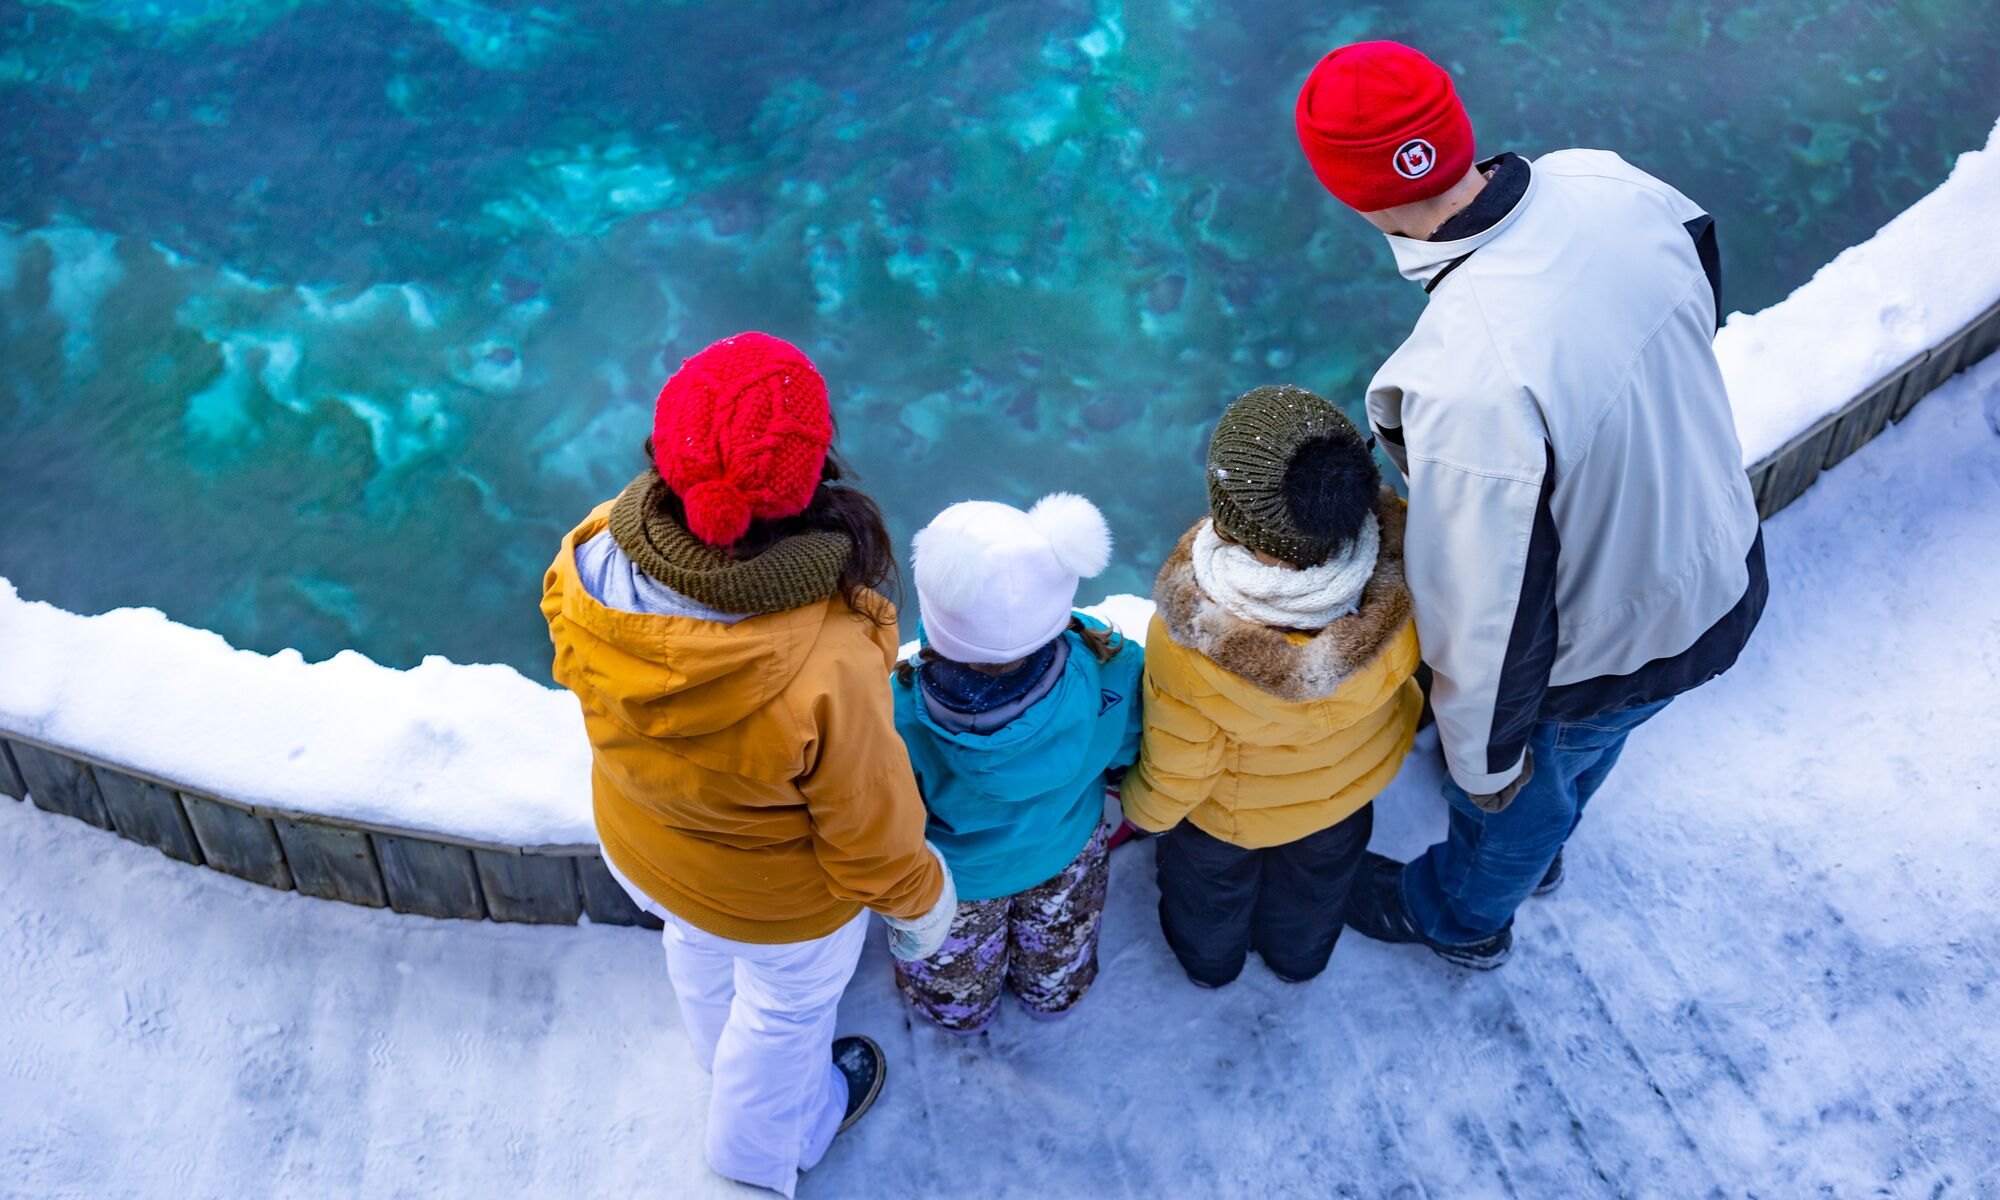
{"points": [[1772, 971]]}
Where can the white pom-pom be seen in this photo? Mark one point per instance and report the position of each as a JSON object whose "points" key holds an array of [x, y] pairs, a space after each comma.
{"points": [[1076, 532]]}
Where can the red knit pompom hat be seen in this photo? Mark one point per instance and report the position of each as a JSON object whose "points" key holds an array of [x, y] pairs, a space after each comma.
{"points": [[741, 431], [1382, 126]]}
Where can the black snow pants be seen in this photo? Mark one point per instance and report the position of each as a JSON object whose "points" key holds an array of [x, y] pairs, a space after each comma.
{"points": [[1218, 901]]}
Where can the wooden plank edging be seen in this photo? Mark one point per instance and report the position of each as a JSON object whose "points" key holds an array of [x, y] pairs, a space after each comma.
{"points": [[333, 862], [1784, 475], [237, 841], [429, 878], [10, 775], [359, 862], [278, 812], [536, 889], [145, 812], [59, 783]]}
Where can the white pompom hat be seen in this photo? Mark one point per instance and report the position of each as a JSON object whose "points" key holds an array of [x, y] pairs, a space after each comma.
{"points": [[995, 584]]}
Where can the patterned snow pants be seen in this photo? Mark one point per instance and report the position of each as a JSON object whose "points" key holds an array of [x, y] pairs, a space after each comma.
{"points": [[1041, 942]]}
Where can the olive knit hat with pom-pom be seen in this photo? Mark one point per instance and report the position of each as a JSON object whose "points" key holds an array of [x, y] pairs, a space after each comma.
{"points": [[1289, 475], [741, 432]]}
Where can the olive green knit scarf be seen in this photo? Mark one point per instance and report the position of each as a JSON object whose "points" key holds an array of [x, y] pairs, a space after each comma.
{"points": [[800, 570]]}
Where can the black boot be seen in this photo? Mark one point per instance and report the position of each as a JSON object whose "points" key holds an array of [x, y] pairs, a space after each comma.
{"points": [[1553, 879], [1375, 910], [860, 1060]]}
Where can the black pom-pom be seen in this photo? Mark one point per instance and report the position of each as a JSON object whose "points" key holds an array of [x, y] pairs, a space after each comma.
{"points": [[1330, 487]]}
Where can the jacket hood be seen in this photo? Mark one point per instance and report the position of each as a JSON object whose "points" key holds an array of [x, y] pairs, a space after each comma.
{"points": [[1292, 667], [1037, 751], [670, 677]]}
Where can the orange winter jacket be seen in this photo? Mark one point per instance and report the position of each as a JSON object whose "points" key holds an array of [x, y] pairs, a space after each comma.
{"points": [[748, 777]]}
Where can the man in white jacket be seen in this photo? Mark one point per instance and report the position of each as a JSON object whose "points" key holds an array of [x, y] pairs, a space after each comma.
{"points": [[1583, 545]]}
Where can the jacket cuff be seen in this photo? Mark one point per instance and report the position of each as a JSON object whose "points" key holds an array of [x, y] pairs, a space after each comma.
{"points": [[913, 905], [1132, 799], [1485, 783]]}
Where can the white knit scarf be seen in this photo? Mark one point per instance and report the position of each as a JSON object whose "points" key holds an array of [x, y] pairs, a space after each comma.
{"points": [[1285, 597]]}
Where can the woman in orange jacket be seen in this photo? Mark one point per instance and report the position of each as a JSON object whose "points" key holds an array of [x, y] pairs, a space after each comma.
{"points": [[722, 624]]}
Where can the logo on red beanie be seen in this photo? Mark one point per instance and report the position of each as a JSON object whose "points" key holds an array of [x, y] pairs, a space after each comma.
{"points": [[1382, 126], [741, 432], [1415, 158]]}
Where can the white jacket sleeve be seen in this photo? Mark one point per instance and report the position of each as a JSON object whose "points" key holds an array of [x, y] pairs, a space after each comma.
{"points": [[1481, 556], [1481, 546]]}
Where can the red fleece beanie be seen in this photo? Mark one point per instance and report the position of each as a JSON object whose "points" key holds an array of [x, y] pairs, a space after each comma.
{"points": [[741, 431], [1382, 126]]}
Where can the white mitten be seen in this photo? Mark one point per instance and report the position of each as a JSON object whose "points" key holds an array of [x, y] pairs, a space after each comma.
{"points": [[923, 937]]}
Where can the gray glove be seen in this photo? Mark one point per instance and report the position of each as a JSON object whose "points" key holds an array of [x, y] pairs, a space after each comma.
{"points": [[924, 936], [1494, 802]]}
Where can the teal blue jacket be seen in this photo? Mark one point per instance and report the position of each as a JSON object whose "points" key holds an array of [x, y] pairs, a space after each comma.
{"points": [[1010, 809]]}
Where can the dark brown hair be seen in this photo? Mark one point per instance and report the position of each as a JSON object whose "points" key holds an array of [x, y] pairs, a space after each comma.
{"points": [[1102, 641], [837, 506]]}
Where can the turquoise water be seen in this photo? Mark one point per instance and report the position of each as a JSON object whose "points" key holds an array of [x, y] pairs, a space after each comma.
{"points": [[320, 322]]}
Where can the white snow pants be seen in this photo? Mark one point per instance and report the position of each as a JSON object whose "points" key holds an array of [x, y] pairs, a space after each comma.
{"points": [[761, 1019]]}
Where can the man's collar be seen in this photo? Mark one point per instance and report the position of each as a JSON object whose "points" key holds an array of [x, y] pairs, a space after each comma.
{"points": [[1503, 190], [1491, 211]]}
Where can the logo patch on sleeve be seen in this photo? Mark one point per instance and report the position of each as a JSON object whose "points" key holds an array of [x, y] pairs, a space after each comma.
{"points": [[1105, 699]]}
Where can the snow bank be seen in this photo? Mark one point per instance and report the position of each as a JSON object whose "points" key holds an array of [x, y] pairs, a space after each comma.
{"points": [[1921, 278], [477, 751], [483, 753]]}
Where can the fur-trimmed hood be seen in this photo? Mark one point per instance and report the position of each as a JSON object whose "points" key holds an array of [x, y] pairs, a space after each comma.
{"points": [[1285, 665]]}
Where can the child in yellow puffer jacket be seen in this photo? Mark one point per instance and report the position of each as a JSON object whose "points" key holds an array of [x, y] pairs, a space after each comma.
{"points": [[1279, 690]]}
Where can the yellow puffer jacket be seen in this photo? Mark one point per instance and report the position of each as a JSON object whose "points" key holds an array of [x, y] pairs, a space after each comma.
{"points": [[1259, 736], [749, 777]]}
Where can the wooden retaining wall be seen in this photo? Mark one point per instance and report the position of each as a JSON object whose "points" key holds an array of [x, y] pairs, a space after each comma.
{"points": [[411, 871], [1785, 475], [437, 875]]}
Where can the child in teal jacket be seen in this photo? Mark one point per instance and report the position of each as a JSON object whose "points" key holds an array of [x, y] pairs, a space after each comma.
{"points": [[1013, 711]]}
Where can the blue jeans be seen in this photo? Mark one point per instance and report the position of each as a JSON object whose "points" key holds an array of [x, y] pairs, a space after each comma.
{"points": [[1467, 887]]}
